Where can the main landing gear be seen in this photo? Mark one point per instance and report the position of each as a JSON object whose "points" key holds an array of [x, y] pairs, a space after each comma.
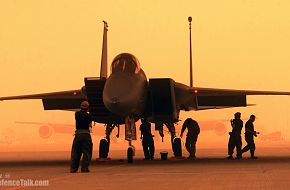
{"points": [[175, 141], [104, 146], [130, 153], [130, 134]]}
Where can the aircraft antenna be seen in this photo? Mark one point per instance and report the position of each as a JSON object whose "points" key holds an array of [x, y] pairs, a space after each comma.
{"points": [[190, 53]]}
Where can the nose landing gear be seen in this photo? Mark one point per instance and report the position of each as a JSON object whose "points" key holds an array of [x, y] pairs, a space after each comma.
{"points": [[130, 134]]}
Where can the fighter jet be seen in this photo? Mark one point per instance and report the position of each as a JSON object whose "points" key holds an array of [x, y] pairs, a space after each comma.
{"points": [[127, 95]]}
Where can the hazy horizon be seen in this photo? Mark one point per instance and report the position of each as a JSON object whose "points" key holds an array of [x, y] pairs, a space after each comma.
{"points": [[48, 46]]}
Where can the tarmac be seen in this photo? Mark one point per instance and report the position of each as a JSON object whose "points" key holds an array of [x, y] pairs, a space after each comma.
{"points": [[211, 170]]}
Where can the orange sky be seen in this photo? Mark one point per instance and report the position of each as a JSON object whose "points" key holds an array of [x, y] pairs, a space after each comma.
{"points": [[51, 45]]}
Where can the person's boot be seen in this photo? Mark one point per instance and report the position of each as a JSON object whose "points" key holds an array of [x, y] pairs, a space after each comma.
{"points": [[253, 154], [72, 170], [191, 157], [230, 157], [85, 170], [243, 151], [238, 157]]}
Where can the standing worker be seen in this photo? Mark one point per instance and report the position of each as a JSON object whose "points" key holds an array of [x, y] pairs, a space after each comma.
{"points": [[235, 137], [191, 137], [147, 139], [82, 144], [249, 137]]}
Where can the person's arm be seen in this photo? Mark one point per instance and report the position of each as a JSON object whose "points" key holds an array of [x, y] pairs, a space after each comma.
{"points": [[91, 121], [76, 120], [249, 130], [233, 123], [141, 130], [182, 130], [149, 125], [197, 127]]}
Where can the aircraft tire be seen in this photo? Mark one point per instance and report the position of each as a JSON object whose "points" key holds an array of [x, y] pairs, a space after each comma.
{"points": [[103, 148], [130, 154], [177, 149]]}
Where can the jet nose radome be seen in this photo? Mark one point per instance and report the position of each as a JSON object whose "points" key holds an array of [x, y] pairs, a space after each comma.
{"points": [[115, 100], [123, 94], [113, 103], [118, 107]]}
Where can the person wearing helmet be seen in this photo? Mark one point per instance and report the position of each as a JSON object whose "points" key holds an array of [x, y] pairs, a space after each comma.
{"points": [[235, 137], [191, 137], [82, 143], [249, 137], [147, 139]]}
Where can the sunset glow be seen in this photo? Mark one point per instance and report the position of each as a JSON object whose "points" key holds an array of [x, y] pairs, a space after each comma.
{"points": [[51, 45]]}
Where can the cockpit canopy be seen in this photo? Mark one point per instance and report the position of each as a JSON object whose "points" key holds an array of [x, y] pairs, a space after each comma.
{"points": [[125, 62]]}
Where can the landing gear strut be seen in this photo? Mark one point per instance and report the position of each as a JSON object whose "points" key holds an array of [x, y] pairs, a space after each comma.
{"points": [[130, 153], [130, 134], [175, 141], [104, 146]]}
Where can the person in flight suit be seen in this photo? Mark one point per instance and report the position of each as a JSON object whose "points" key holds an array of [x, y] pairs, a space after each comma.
{"points": [[249, 137], [147, 139], [235, 137], [191, 137], [82, 144]]}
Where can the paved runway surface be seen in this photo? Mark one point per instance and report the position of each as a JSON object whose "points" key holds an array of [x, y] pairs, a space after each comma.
{"points": [[210, 171]]}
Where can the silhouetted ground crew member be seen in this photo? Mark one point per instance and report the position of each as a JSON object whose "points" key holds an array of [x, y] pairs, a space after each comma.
{"points": [[249, 137], [147, 139], [235, 137], [191, 137], [82, 144]]}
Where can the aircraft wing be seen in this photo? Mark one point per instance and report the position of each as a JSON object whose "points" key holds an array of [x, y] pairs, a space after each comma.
{"points": [[197, 98], [226, 92], [64, 100]]}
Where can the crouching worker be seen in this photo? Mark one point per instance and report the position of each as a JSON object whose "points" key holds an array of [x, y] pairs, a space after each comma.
{"points": [[191, 137], [82, 144]]}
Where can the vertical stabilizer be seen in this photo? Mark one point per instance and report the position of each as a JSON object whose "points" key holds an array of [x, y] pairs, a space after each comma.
{"points": [[104, 61]]}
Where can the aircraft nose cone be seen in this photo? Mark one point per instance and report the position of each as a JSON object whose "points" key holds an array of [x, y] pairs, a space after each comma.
{"points": [[123, 93], [118, 106], [115, 100], [116, 93]]}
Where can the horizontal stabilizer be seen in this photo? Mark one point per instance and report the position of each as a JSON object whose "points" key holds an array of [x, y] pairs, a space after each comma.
{"points": [[61, 104], [225, 101]]}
